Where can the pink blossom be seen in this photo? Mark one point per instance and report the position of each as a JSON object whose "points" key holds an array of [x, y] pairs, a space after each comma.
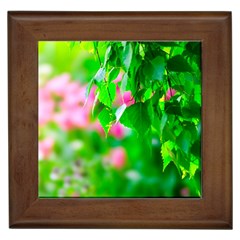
{"points": [[73, 95], [169, 94], [46, 107], [72, 118], [62, 119], [45, 147], [58, 85], [184, 192], [128, 99], [117, 130], [118, 157], [79, 117]]}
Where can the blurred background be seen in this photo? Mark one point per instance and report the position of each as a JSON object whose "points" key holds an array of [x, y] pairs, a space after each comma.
{"points": [[76, 159]]}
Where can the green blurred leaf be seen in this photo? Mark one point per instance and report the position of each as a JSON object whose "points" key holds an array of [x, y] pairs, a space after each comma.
{"points": [[72, 44]]}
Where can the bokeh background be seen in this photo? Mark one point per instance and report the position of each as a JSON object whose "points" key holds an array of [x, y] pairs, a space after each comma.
{"points": [[76, 159]]}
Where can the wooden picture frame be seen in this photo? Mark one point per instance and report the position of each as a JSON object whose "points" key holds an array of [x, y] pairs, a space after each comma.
{"points": [[212, 210]]}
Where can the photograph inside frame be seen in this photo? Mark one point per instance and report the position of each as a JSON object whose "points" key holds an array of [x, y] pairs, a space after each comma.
{"points": [[119, 119]]}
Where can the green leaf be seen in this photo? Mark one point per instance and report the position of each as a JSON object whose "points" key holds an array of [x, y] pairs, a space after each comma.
{"points": [[100, 75], [163, 122], [187, 79], [113, 74], [168, 133], [167, 153], [125, 120], [107, 55], [158, 64], [173, 107], [88, 88], [152, 70], [196, 148], [192, 169], [182, 163], [127, 55], [192, 110], [150, 109], [184, 141], [106, 118], [120, 112], [137, 117], [168, 44], [194, 48], [178, 64], [107, 93], [197, 94], [147, 95], [124, 83]]}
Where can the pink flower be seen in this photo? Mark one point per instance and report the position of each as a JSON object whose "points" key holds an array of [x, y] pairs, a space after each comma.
{"points": [[117, 130], [79, 117], [73, 95], [118, 157], [126, 98], [45, 147], [71, 118], [58, 85], [46, 107], [184, 192], [169, 94]]}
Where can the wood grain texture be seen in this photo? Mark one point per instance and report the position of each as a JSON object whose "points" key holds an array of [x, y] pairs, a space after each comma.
{"points": [[213, 210]]}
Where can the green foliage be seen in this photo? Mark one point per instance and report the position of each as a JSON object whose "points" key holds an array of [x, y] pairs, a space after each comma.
{"points": [[178, 64], [106, 118], [149, 69], [107, 93], [137, 117]]}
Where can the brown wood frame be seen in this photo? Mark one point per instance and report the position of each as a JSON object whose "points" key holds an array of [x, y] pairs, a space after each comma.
{"points": [[213, 210]]}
